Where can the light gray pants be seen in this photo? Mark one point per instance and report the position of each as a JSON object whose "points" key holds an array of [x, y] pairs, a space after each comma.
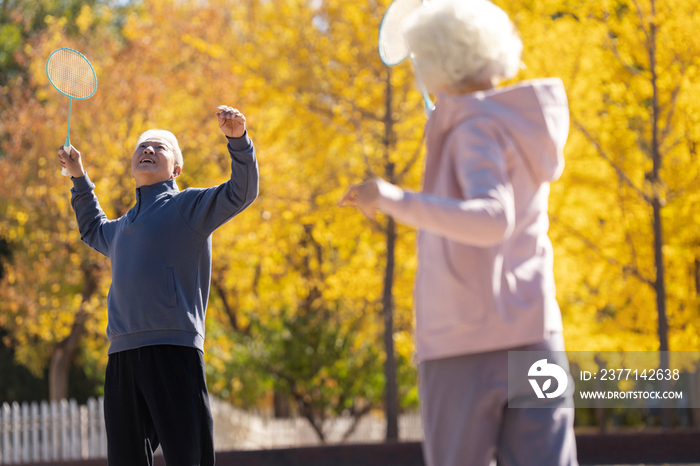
{"points": [[467, 422]]}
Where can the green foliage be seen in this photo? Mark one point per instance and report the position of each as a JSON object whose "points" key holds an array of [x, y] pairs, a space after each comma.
{"points": [[20, 384], [22, 20], [17, 382], [5, 255], [10, 40], [314, 358]]}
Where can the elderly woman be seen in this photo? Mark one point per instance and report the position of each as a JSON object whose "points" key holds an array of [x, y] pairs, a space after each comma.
{"points": [[484, 284]]}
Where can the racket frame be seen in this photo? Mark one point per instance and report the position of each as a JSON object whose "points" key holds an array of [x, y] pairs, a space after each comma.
{"points": [[66, 145], [429, 105]]}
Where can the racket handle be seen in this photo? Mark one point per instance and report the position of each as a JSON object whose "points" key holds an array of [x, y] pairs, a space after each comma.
{"points": [[64, 171]]}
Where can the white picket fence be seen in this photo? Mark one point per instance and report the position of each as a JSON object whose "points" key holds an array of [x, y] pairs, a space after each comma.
{"points": [[32, 433], [237, 429], [52, 431]]}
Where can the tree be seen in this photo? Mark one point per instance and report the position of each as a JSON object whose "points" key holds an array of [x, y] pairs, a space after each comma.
{"points": [[295, 250], [338, 80], [330, 120], [620, 212], [324, 114], [620, 215], [23, 23], [45, 310]]}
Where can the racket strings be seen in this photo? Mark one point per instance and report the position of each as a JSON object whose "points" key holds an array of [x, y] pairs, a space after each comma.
{"points": [[393, 48], [71, 74]]}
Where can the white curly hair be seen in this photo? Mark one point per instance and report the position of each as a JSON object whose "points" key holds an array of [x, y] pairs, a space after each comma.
{"points": [[167, 136], [459, 42]]}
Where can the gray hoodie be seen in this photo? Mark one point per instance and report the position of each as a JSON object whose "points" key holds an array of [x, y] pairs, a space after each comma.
{"points": [[161, 252]]}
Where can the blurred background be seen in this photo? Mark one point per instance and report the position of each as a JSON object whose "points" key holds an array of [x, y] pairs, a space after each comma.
{"points": [[310, 312]]}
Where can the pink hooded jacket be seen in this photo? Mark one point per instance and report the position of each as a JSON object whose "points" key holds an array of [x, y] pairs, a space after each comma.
{"points": [[484, 279]]}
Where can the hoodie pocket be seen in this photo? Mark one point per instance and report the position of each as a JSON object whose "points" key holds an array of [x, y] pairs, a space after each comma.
{"points": [[448, 292], [467, 264], [172, 294]]}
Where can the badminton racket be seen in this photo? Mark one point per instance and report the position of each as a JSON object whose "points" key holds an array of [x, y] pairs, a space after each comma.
{"points": [[393, 47], [73, 76]]}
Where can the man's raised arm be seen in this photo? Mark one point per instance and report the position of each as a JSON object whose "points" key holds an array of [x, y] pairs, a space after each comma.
{"points": [[207, 209], [91, 219]]}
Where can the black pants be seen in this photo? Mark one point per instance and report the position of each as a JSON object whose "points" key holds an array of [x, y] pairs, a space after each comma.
{"points": [[157, 395]]}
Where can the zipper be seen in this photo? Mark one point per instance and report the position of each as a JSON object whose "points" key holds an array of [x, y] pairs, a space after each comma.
{"points": [[138, 202]]}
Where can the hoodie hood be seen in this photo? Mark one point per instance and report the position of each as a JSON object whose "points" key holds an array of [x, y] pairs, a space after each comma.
{"points": [[535, 114]]}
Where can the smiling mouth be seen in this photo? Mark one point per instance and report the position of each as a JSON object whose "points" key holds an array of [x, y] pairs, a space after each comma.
{"points": [[147, 160]]}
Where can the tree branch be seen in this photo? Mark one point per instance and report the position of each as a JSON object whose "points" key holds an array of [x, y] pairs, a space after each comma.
{"points": [[616, 51], [669, 115], [610, 260], [357, 416], [640, 15], [413, 160], [620, 172], [328, 113], [233, 320], [307, 409], [369, 173], [229, 310]]}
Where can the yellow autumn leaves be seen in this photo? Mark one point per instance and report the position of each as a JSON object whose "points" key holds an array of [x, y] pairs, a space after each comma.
{"points": [[311, 84]]}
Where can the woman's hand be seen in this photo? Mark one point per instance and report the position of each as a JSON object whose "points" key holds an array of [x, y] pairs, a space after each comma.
{"points": [[364, 196]]}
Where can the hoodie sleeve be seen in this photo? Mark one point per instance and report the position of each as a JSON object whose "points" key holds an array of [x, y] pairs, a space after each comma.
{"points": [[205, 210], [93, 224], [485, 215]]}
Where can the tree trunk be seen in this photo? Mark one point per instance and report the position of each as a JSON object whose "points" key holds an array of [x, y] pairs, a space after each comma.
{"points": [[62, 358], [659, 285], [391, 397], [281, 405], [65, 351], [694, 388], [655, 180], [657, 204]]}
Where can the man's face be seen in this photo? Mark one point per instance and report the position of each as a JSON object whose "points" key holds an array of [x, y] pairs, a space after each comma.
{"points": [[153, 161]]}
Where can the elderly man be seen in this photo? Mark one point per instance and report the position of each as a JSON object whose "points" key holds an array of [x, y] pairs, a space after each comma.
{"points": [[155, 388], [484, 284]]}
